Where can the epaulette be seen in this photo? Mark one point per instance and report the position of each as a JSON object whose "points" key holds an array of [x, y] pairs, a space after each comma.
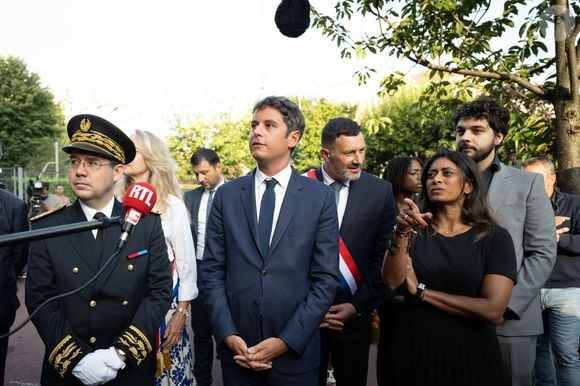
{"points": [[44, 214]]}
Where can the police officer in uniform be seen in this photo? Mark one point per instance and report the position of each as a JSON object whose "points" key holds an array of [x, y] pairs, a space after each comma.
{"points": [[105, 333]]}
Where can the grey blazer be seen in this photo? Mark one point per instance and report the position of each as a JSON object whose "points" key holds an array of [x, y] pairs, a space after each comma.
{"points": [[520, 204]]}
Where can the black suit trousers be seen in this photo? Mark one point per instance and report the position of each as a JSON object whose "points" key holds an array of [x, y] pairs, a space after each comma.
{"points": [[348, 352], [202, 337]]}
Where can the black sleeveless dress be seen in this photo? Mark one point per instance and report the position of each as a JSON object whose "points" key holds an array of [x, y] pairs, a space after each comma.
{"points": [[432, 347]]}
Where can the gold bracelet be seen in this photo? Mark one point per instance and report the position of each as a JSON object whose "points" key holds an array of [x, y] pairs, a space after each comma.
{"points": [[183, 310]]}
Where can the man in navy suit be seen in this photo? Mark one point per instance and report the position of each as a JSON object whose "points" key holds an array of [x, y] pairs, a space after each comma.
{"points": [[13, 218], [366, 214], [208, 171], [270, 270]]}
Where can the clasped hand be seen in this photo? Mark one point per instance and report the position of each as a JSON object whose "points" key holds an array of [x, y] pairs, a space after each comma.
{"points": [[98, 367], [337, 315], [258, 357]]}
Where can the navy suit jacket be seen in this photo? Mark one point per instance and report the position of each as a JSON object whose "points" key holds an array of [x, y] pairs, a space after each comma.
{"points": [[367, 225], [192, 199], [284, 294], [13, 218]]}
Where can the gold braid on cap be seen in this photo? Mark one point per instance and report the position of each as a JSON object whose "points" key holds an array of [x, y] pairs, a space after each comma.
{"points": [[85, 134]]}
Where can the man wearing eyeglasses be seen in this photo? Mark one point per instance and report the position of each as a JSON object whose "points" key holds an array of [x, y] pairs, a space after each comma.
{"points": [[105, 333]]}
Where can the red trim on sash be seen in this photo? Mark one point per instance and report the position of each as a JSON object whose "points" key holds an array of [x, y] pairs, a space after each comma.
{"points": [[349, 261], [344, 253]]}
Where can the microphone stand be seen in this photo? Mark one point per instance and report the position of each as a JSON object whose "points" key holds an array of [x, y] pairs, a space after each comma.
{"points": [[59, 230]]}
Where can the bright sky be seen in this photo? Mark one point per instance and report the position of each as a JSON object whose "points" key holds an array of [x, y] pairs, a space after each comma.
{"points": [[142, 64]]}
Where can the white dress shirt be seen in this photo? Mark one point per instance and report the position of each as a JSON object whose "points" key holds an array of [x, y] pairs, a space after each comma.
{"points": [[201, 220], [90, 212], [342, 194], [282, 179]]}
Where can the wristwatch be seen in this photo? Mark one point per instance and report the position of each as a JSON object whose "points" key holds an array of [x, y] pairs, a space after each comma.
{"points": [[420, 293], [394, 248], [184, 311]]}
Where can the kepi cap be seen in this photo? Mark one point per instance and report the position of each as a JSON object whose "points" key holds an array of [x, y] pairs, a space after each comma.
{"points": [[92, 134]]}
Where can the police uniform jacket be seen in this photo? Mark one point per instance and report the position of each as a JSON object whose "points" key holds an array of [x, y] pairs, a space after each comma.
{"points": [[123, 307]]}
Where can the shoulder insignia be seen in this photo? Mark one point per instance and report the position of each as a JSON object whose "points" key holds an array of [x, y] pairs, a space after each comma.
{"points": [[44, 214]]}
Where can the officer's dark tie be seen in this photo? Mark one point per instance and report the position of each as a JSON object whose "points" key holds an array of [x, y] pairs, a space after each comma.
{"points": [[101, 233], [336, 186], [266, 216], [209, 202]]}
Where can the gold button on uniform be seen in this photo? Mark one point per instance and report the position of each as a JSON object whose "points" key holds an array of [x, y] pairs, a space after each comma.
{"points": [[75, 270], [130, 267], [92, 340], [125, 303], [92, 303]]}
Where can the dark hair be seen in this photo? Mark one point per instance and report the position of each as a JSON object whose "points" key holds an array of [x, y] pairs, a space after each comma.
{"points": [[202, 154], [475, 210], [337, 127], [291, 113], [397, 169], [485, 107]]}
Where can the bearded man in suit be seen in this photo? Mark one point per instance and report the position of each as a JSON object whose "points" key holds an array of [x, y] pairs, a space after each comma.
{"points": [[519, 204], [208, 172]]}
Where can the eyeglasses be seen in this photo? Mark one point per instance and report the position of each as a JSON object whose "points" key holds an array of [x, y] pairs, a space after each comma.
{"points": [[73, 164]]}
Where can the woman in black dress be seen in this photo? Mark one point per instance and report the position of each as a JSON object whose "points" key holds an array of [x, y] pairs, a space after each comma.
{"points": [[457, 267]]}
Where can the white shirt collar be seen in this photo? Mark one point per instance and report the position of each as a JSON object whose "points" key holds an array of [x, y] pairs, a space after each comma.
{"points": [[329, 180], [90, 212], [283, 177]]}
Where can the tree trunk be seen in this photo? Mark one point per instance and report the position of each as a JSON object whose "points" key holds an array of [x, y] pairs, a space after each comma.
{"points": [[568, 145]]}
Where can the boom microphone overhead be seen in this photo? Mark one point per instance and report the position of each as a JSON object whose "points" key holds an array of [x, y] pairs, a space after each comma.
{"points": [[293, 17]]}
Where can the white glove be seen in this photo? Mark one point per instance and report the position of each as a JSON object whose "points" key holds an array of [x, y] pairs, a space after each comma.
{"points": [[111, 358], [92, 370]]}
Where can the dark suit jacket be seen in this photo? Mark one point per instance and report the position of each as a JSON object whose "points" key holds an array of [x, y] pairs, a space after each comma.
{"points": [[192, 199], [366, 227], [284, 294], [13, 218], [124, 307]]}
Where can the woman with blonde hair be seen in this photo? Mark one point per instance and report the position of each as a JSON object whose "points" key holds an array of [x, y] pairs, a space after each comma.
{"points": [[154, 165]]}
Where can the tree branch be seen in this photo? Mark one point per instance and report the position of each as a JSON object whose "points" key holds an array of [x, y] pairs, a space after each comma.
{"points": [[572, 62], [539, 69], [540, 92]]}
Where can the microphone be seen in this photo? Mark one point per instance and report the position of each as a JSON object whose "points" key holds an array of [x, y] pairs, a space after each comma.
{"points": [[293, 17], [58, 230], [138, 202]]}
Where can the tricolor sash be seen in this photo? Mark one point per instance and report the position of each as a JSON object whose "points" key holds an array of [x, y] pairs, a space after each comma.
{"points": [[349, 275]]}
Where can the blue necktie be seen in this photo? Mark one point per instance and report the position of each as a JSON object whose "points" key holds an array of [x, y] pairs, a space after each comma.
{"points": [[336, 186], [266, 216], [209, 202]]}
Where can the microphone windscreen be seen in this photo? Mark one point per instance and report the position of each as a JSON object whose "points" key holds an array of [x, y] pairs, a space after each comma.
{"points": [[140, 196], [293, 17]]}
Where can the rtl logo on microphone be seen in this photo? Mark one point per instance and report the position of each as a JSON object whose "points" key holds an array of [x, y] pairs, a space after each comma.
{"points": [[143, 194], [132, 216]]}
